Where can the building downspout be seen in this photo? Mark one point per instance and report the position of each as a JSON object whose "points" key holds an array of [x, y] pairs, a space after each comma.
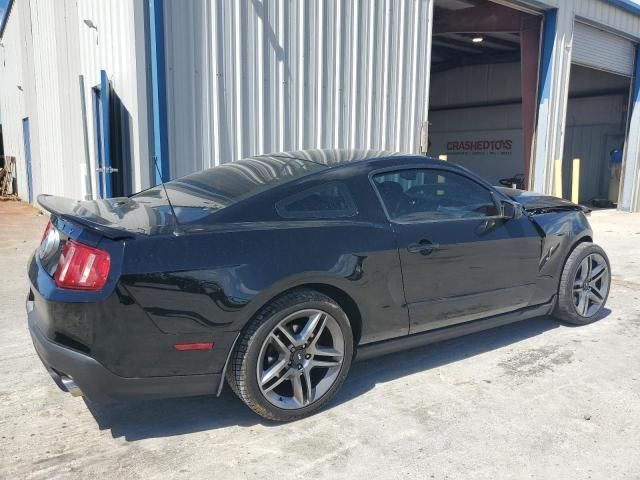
{"points": [[160, 156]]}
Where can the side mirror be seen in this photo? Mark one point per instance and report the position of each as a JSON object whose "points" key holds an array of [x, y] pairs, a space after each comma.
{"points": [[510, 210]]}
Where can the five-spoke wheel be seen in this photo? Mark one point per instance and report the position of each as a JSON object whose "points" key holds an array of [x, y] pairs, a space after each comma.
{"points": [[293, 356], [300, 359], [591, 285], [584, 285]]}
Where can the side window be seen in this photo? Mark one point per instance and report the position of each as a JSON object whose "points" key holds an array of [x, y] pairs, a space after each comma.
{"points": [[430, 194], [331, 200]]}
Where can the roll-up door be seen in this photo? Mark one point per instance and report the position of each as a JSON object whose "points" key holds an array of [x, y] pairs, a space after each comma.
{"points": [[602, 50]]}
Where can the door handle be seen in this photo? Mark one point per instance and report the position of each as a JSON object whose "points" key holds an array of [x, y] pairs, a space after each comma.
{"points": [[423, 247]]}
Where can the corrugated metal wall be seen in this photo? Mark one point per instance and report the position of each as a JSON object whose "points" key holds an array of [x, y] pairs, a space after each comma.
{"points": [[47, 48], [604, 14], [12, 97], [260, 76], [592, 47], [118, 47], [54, 147]]}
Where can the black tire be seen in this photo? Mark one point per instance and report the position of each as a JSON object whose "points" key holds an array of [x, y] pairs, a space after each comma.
{"points": [[566, 308], [242, 374]]}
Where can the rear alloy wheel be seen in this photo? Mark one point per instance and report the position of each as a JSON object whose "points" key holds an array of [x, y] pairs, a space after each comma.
{"points": [[584, 286], [293, 356]]}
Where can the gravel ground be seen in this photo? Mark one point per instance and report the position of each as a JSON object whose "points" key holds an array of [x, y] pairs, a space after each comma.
{"points": [[529, 400]]}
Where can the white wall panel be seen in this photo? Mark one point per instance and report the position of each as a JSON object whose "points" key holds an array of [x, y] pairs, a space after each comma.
{"points": [[47, 48], [604, 14], [117, 46], [253, 77], [12, 108]]}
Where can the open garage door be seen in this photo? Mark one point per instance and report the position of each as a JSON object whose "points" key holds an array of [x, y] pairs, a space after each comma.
{"points": [[483, 94], [602, 50], [597, 114]]}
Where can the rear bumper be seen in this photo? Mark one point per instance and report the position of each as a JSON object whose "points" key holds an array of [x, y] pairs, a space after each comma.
{"points": [[80, 374]]}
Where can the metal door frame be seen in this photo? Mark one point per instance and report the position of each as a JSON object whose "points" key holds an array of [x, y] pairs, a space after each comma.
{"points": [[101, 106], [26, 134]]}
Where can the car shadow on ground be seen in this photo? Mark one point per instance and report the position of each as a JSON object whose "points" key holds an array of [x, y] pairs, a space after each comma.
{"points": [[163, 418]]}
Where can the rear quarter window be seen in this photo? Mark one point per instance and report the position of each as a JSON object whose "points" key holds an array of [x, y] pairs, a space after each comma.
{"points": [[330, 200]]}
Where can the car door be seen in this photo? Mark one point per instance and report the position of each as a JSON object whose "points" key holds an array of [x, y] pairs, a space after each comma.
{"points": [[461, 259]]}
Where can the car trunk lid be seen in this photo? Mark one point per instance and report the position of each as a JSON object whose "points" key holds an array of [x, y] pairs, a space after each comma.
{"points": [[115, 218]]}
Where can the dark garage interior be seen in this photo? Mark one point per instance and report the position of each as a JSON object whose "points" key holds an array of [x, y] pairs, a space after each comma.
{"points": [[485, 56]]}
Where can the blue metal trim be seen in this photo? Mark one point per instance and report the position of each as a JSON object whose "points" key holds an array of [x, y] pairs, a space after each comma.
{"points": [[630, 6], [26, 134], [636, 81], [98, 134], [3, 22], [160, 161], [626, 201], [548, 41], [106, 144]]}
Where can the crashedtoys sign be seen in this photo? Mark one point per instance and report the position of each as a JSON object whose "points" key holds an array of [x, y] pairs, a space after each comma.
{"points": [[494, 154], [503, 146]]}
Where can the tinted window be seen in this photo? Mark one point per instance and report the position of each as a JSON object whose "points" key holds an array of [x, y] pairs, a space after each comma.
{"points": [[197, 196], [331, 200], [428, 194]]}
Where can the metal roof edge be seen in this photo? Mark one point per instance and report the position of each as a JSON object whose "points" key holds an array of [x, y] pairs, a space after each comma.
{"points": [[626, 5]]}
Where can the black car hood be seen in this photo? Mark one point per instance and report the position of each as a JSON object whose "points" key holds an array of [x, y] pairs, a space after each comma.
{"points": [[538, 203]]}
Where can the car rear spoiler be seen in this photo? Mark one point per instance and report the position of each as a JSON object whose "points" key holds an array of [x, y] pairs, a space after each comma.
{"points": [[77, 212]]}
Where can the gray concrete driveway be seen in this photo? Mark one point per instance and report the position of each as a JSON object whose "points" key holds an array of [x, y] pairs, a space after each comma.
{"points": [[530, 400]]}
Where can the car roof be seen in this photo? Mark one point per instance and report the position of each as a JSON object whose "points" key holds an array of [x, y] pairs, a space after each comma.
{"points": [[329, 156]]}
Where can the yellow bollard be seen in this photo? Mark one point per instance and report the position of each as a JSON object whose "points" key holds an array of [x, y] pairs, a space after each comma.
{"points": [[557, 177], [442, 158], [575, 181]]}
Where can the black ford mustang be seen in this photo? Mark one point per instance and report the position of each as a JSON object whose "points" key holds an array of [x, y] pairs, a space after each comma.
{"points": [[277, 271]]}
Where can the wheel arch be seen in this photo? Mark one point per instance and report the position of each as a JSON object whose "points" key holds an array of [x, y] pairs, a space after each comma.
{"points": [[338, 295], [584, 238]]}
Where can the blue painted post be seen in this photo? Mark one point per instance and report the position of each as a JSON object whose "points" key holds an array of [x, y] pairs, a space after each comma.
{"points": [[160, 160], [629, 196], [545, 109], [106, 143], [26, 133], [548, 41], [98, 137]]}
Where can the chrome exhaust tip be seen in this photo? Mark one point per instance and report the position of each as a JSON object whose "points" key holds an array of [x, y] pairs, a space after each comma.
{"points": [[70, 386], [65, 383]]}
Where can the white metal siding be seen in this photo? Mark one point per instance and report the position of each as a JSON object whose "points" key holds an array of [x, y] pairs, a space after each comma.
{"points": [[12, 96], [602, 50], [607, 15], [46, 49], [118, 46], [246, 78]]}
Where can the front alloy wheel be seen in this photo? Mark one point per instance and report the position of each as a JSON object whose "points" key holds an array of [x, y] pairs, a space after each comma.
{"points": [[584, 285], [293, 356], [591, 285]]}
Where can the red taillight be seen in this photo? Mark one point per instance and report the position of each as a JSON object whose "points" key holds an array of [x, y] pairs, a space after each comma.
{"points": [[46, 231], [82, 267]]}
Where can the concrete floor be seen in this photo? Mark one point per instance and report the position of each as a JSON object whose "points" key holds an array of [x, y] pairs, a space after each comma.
{"points": [[530, 400]]}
